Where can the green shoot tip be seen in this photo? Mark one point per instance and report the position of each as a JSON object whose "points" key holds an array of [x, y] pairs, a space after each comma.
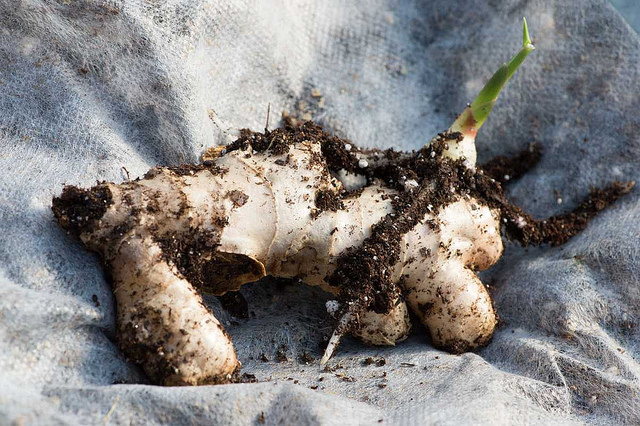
{"points": [[475, 116], [526, 39]]}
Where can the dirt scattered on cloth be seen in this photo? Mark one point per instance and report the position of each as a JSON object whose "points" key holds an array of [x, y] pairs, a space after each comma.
{"points": [[379, 362], [306, 358], [281, 354], [503, 169], [236, 377], [368, 361], [557, 230]]}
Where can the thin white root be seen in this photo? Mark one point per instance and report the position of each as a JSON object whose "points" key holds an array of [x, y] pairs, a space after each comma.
{"points": [[335, 337]]}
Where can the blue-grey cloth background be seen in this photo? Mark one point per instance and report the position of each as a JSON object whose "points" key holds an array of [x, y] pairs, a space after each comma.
{"points": [[630, 10], [87, 87]]}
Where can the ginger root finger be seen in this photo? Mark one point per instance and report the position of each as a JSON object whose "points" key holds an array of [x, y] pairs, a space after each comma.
{"points": [[440, 286], [470, 232], [162, 322], [456, 308]]}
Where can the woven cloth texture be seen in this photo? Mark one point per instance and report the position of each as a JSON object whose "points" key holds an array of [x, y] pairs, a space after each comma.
{"points": [[87, 87]]}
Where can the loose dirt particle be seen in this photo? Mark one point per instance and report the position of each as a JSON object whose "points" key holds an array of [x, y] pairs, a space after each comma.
{"points": [[281, 355], [306, 358]]}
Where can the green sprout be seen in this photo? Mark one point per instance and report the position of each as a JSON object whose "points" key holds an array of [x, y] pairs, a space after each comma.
{"points": [[474, 116]]}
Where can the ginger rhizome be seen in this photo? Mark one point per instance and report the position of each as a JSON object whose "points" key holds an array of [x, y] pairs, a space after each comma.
{"points": [[411, 239]]}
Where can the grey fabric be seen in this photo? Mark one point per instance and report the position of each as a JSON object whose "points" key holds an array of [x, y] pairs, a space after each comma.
{"points": [[89, 87]]}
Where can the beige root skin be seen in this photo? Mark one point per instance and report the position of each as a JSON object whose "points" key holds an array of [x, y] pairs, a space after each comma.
{"points": [[162, 321], [450, 300], [260, 210]]}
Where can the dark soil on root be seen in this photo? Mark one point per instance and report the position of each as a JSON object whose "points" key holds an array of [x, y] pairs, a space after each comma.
{"points": [[327, 200], [78, 209], [364, 273], [339, 153], [209, 270]]}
